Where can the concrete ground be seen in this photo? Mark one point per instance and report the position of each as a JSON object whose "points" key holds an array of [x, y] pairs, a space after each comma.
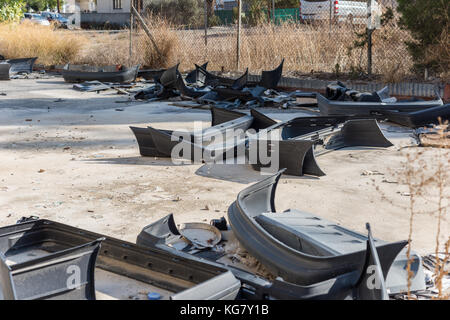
{"points": [[71, 157]]}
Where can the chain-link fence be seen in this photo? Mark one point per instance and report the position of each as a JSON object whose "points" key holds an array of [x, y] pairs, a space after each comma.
{"points": [[318, 36]]}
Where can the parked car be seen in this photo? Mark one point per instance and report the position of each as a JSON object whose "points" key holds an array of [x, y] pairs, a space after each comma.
{"points": [[56, 18], [36, 18], [354, 11]]}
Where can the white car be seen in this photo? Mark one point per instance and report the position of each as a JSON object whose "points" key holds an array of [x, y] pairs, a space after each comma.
{"points": [[36, 18], [354, 11]]}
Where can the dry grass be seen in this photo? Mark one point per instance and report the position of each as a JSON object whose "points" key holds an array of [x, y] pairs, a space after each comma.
{"points": [[426, 173], [104, 49], [306, 48], [29, 40]]}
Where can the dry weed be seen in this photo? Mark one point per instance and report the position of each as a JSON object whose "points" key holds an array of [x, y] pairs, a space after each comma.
{"points": [[426, 172], [30, 40]]}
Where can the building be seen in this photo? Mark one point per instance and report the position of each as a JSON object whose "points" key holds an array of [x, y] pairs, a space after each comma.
{"points": [[98, 12]]}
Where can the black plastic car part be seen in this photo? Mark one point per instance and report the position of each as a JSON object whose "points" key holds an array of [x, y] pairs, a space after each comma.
{"points": [[300, 140], [302, 264], [4, 71], [163, 234], [169, 77], [21, 65], [205, 78], [46, 277], [194, 77], [122, 76], [151, 74], [160, 143], [270, 79], [420, 118], [180, 85], [374, 109], [186, 278]]}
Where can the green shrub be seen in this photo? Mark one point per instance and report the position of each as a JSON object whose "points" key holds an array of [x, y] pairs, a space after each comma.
{"points": [[11, 10], [428, 22]]}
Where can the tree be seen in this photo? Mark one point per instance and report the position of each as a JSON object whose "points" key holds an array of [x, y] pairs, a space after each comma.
{"points": [[179, 12], [428, 22], [11, 10], [41, 5]]}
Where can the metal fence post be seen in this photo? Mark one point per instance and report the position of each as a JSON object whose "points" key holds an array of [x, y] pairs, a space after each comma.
{"points": [[369, 37], [331, 18], [238, 44], [131, 35], [206, 24]]}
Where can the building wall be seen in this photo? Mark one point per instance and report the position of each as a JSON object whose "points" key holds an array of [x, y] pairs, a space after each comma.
{"points": [[72, 6], [229, 5], [106, 6]]}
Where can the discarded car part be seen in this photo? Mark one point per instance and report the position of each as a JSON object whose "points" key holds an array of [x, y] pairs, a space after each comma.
{"points": [[345, 286], [154, 266], [126, 75], [329, 107], [316, 236], [302, 265], [220, 224], [206, 78], [151, 74], [4, 71], [169, 77], [301, 139], [437, 137], [270, 79], [232, 94], [27, 219], [240, 82], [219, 115], [147, 146], [194, 76], [48, 276], [419, 118], [186, 91], [159, 143], [91, 86], [378, 291], [260, 120], [335, 91], [155, 92], [201, 235], [22, 65], [339, 92], [162, 231]]}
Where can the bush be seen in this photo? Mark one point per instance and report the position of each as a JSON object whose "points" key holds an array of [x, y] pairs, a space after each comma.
{"points": [[11, 10], [30, 40], [213, 21], [179, 12], [428, 22]]}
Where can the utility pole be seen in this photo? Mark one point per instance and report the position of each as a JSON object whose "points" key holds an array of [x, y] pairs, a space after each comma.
{"points": [[238, 44]]}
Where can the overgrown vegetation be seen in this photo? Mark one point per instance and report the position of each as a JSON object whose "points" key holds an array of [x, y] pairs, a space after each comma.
{"points": [[11, 10], [428, 22], [178, 12], [30, 40], [306, 48], [41, 5], [425, 175]]}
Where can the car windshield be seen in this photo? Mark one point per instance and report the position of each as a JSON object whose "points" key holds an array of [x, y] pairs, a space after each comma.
{"points": [[36, 17]]}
